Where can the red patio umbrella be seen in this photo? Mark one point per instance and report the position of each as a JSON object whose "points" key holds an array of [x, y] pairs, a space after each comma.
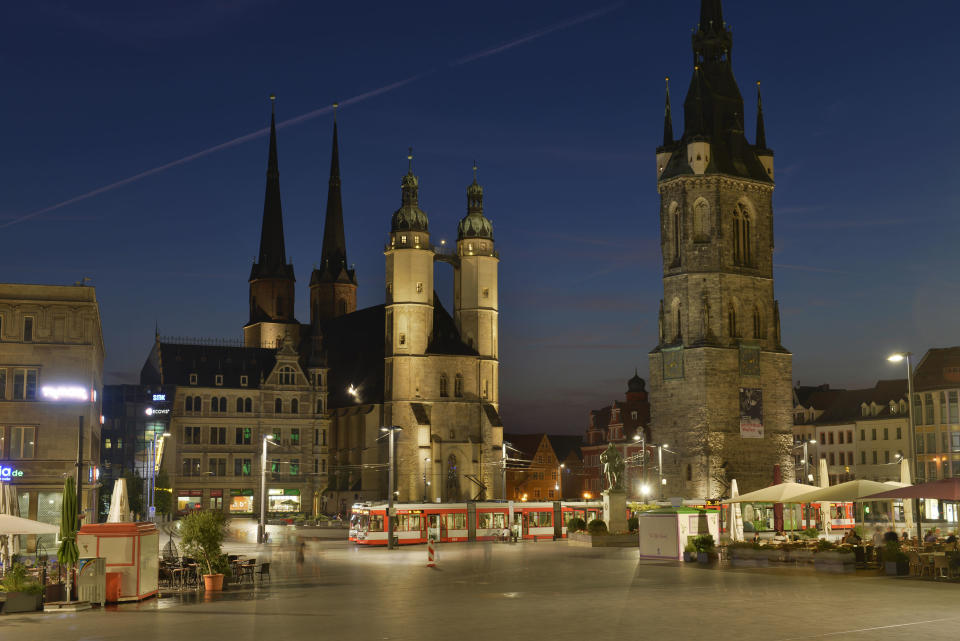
{"points": [[945, 490]]}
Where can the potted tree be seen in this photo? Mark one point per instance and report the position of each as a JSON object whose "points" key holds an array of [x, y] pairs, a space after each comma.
{"points": [[706, 548], [895, 562], [22, 592], [202, 532], [689, 553]]}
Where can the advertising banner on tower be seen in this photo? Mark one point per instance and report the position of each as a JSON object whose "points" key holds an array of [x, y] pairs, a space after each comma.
{"points": [[751, 413]]}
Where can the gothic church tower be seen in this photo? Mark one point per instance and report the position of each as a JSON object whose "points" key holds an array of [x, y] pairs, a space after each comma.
{"points": [[271, 278], [721, 382]]}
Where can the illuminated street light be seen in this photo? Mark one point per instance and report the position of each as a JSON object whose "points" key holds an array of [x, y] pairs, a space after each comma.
{"points": [[262, 526], [390, 492]]}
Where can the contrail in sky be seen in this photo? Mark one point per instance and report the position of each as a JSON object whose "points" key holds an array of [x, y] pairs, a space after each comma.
{"points": [[316, 112]]}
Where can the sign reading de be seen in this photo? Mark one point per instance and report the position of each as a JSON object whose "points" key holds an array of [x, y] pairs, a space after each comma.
{"points": [[8, 473]]}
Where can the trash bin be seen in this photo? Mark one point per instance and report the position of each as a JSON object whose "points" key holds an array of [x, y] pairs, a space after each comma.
{"points": [[113, 587]]}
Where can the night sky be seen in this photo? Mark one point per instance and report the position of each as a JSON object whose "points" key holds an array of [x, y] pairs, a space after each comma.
{"points": [[860, 102]]}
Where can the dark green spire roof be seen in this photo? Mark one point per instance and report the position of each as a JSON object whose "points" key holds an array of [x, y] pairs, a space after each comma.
{"points": [[475, 224], [333, 257], [272, 260], [409, 217]]}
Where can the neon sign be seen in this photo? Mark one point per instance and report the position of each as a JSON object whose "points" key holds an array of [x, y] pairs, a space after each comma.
{"points": [[150, 411], [68, 393], [159, 397], [8, 473]]}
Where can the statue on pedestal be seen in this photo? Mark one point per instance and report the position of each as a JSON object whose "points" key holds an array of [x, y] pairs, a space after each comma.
{"points": [[613, 467]]}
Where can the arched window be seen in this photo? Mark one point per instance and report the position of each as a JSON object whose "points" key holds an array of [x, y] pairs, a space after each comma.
{"points": [[689, 472], [277, 406], [189, 404], [701, 219], [453, 480], [737, 225], [214, 405], [294, 406], [742, 236], [239, 405], [758, 329], [444, 392], [248, 405], [319, 407], [676, 235], [287, 376], [458, 386], [732, 321], [223, 403]]}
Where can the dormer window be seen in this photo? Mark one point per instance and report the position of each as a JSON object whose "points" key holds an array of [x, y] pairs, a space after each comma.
{"points": [[193, 379], [287, 376], [218, 380], [243, 381]]}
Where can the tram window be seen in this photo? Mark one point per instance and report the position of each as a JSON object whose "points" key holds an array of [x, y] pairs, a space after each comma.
{"points": [[484, 521], [541, 519], [499, 520], [456, 521], [376, 523], [409, 522]]}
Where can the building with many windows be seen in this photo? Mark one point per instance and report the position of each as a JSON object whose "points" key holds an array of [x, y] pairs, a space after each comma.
{"points": [[937, 415], [51, 375], [543, 467]]}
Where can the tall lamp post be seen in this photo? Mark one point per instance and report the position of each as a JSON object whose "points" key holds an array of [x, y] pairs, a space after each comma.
{"points": [[390, 430], [558, 486], [262, 527], [152, 506], [425, 481], [900, 357]]}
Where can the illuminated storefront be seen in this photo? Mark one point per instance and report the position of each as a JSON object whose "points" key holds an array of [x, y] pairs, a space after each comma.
{"points": [[188, 500], [241, 501], [281, 500]]}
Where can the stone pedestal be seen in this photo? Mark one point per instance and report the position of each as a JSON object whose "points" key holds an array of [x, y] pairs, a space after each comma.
{"points": [[615, 510]]}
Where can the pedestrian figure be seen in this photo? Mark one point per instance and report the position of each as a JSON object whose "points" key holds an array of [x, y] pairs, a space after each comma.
{"points": [[301, 553]]}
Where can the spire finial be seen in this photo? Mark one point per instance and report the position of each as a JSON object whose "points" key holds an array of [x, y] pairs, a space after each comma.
{"points": [[335, 106], [273, 103], [410, 160], [667, 118], [474, 172], [761, 128]]}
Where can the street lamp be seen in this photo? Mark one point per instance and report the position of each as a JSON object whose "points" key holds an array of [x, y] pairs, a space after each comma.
{"points": [[151, 508], [390, 430], [425, 481], [900, 357], [663, 481], [559, 483], [262, 526]]}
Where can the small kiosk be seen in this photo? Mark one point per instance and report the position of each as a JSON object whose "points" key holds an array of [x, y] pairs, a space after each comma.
{"points": [[664, 532], [132, 554]]}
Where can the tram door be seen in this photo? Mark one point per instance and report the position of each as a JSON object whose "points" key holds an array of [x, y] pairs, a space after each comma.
{"points": [[434, 523], [526, 525]]}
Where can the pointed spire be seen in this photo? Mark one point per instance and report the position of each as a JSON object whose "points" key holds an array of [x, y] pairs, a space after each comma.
{"points": [[668, 119], [711, 15], [761, 128], [474, 224], [409, 185], [333, 257], [272, 260], [409, 217]]}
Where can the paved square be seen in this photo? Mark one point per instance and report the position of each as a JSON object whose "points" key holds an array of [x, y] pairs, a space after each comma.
{"points": [[527, 591]]}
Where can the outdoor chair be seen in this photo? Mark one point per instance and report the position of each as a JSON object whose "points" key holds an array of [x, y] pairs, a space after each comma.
{"points": [[941, 566], [264, 571], [916, 564], [247, 569]]}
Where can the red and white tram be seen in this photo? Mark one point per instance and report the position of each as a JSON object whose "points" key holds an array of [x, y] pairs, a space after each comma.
{"points": [[485, 521]]}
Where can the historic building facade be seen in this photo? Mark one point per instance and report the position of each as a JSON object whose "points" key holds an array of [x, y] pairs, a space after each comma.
{"points": [[51, 377], [720, 379], [624, 423], [325, 389]]}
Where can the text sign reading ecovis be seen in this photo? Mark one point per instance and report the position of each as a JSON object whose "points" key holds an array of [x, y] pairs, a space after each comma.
{"points": [[8, 473]]}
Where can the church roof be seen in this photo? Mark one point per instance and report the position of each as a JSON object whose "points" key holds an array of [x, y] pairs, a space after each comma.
{"points": [[939, 368], [355, 351], [333, 256], [446, 337], [713, 110]]}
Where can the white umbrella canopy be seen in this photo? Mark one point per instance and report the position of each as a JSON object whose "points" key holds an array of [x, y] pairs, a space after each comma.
{"points": [[736, 515], [907, 504], [780, 493], [9, 544], [855, 490], [15, 525], [823, 477], [119, 503]]}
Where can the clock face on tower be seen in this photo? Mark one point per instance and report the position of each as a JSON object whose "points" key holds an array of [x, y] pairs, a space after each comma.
{"points": [[672, 363], [749, 360]]}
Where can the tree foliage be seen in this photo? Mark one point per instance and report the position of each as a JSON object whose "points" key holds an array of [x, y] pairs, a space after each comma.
{"points": [[202, 533]]}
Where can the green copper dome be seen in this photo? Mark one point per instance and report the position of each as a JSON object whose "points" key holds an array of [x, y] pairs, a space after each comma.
{"points": [[409, 217], [475, 224]]}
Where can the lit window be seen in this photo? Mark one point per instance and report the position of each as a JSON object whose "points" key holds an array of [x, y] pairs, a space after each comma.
{"points": [[22, 442], [419, 288], [403, 240]]}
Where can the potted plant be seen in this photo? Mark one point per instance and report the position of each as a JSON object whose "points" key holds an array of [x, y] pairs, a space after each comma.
{"points": [[23, 592], [895, 562], [597, 527], [689, 553], [706, 548], [202, 533], [576, 524], [830, 558]]}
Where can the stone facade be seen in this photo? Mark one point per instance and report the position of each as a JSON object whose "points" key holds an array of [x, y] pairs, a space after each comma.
{"points": [[719, 342], [51, 377]]}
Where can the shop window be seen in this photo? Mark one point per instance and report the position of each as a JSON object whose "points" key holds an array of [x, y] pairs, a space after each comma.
{"points": [[22, 442]]}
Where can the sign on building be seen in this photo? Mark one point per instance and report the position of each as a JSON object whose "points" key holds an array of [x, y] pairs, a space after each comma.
{"points": [[751, 413]]}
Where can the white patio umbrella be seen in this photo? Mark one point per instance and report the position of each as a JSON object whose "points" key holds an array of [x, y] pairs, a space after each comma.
{"points": [[736, 514], [823, 478], [119, 503], [9, 544], [855, 490], [10, 524], [780, 493]]}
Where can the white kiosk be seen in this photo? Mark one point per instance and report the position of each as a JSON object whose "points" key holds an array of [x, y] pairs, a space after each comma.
{"points": [[664, 532]]}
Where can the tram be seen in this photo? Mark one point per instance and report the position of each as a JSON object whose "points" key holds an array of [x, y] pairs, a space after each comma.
{"points": [[458, 522]]}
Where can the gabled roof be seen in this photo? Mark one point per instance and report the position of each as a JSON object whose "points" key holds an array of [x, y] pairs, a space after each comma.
{"points": [[847, 405], [563, 446], [527, 444], [938, 369]]}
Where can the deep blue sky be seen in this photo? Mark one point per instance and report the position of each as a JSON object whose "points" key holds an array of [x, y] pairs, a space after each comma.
{"points": [[861, 106]]}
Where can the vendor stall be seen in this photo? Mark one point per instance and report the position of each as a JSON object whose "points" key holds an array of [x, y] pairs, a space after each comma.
{"points": [[664, 532], [131, 551]]}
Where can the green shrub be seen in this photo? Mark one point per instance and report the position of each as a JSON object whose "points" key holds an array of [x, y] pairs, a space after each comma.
{"points": [[689, 548], [811, 533], [597, 527], [633, 524], [893, 554], [17, 580], [824, 545], [704, 543], [576, 524]]}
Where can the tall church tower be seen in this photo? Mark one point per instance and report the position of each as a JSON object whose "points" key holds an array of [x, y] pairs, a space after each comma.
{"points": [[721, 391], [475, 283], [333, 287], [271, 278]]}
